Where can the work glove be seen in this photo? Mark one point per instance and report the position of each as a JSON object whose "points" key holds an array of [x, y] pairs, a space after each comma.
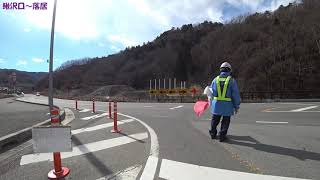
{"points": [[207, 91], [237, 110]]}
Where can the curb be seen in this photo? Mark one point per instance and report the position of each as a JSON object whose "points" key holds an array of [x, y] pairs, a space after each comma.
{"points": [[18, 137], [62, 112], [8, 141], [68, 116]]}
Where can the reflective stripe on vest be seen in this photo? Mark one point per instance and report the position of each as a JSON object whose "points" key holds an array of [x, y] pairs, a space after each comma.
{"points": [[222, 97]]}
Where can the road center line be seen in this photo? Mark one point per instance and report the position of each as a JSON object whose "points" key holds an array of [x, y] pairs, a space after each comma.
{"points": [[160, 116], [271, 122], [84, 149], [303, 109], [177, 107], [303, 104]]}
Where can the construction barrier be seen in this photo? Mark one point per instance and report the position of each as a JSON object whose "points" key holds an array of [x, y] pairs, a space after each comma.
{"points": [[110, 109], [93, 106], [58, 171], [115, 119], [55, 120]]}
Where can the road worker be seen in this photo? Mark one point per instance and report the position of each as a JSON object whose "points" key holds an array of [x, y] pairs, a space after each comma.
{"points": [[225, 101]]}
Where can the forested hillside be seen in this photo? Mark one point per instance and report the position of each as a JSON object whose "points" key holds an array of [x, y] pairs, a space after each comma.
{"points": [[270, 51], [25, 80]]}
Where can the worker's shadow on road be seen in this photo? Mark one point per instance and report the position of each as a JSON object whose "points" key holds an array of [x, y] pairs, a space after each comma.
{"points": [[96, 162], [124, 134], [253, 143], [93, 160]]}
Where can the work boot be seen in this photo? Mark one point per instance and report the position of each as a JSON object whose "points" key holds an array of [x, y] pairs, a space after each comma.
{"points": [[223, 138], [212, 134]]}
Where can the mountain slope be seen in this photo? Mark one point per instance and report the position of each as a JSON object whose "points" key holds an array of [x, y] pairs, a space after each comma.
{"points": [[271, 51], [25, 80]]}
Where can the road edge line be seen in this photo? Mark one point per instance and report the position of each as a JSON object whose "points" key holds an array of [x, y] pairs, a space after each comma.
{"points": [[25, 134], [154, 150], [20, 136]]}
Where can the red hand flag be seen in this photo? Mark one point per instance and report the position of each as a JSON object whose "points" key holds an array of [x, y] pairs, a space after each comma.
{"points": [[200, 107]]}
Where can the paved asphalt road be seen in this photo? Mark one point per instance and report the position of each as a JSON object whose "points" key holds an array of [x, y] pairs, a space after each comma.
{"points": [[15, 116], [95, 160], [280, 139], [290, 148]]}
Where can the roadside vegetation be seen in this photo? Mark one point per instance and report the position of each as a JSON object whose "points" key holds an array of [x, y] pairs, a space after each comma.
{"points": [[269, 51]]}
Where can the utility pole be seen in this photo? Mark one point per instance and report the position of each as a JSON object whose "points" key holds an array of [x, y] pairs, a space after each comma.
{"points": [[51, 58]]}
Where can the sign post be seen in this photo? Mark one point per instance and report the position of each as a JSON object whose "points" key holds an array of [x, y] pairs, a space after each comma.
{"points": [[58, 171]]}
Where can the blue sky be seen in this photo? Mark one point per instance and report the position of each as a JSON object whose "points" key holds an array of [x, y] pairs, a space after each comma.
{"points": [[95, 28]]}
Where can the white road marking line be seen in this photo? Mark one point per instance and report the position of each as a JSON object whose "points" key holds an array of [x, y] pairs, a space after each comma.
{"points": [[23, 130], [84, 149], [178, 170], [154, 149], [208, 119], [271, 122], [176, 107], [150, 168], [303, 104], [292, 111], [94, 116], [303, 109], [98, 127], [130, 173], [154, 145], [85, 110], [147, 106], [160, 116]]}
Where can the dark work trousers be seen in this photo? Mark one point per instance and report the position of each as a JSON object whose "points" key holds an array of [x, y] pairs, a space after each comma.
{"points": [[224, 125]]}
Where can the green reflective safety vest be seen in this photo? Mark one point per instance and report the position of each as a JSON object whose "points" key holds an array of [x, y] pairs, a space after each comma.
{"points": [[222, 97]]}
